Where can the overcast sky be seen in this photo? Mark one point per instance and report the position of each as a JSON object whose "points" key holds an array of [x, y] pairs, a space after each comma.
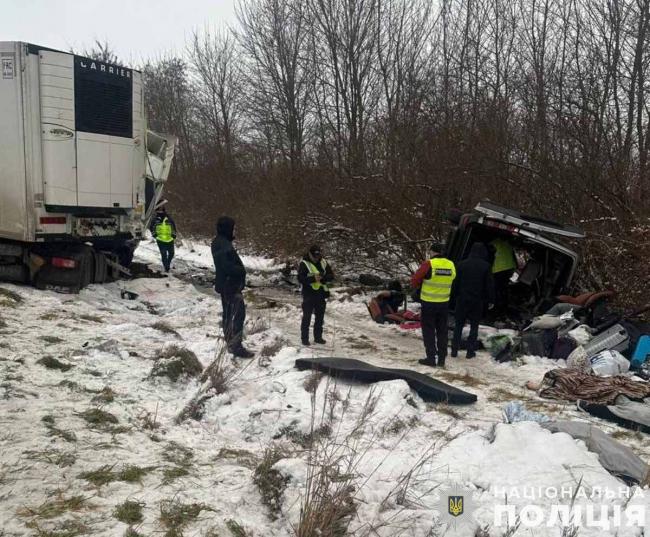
{"points": [[136, 29]]}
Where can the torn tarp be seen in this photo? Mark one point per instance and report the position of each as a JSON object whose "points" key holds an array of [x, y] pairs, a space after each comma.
{"points": [[616, 458]]}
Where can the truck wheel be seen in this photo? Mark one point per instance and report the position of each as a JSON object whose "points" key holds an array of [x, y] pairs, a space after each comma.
{"points": [[14, 273], [101, 268]]}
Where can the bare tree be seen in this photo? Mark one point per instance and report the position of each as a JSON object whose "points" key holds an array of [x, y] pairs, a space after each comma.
{"points": [[215, 62], [347, 88], [274, 36], [101, 51]]}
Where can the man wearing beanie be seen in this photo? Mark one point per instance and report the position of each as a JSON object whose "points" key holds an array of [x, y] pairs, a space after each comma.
{"points": [[229, 282], [314, 273]]}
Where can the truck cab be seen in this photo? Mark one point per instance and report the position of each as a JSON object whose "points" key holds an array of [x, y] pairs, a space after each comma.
{"points": [[545, 265]]}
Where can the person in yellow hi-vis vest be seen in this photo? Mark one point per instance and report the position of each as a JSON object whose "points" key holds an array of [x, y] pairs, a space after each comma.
{"points": [[434, 279], [504, 264], [314, 273], [163, 230]]}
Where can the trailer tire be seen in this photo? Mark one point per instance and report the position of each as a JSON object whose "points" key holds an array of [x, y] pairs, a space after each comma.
{"points": [[100, 267], [14, 273], [87, 267]]}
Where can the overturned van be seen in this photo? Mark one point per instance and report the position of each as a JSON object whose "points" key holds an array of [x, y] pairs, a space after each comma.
{"points": [[545, 266]]}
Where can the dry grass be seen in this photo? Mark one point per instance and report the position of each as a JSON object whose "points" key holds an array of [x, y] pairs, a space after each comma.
{"points": [[399, 426], [105, 474], [52, 363], [107, 395], [271, 349], [67, 528], [175, 516], [270, 482], [51, 339], [304, 439], [175, 362], [235, 528], [449, 410], [163, 327], [9, 299], [96, 417], [91, 318], [502, 395], [628, 435], [181, 458], [56, 507], [242, 457], [54, 431], [215, 380], [312, 381], [149, 420], [466, 378], [257, 325], [129, 512], [53, 456]]}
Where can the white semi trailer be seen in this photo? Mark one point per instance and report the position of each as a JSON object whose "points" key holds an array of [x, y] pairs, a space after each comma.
{"points": [[79, 172]]}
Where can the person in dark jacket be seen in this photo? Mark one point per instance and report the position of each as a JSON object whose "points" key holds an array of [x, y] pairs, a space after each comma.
{"points": [[163, 230], [314, 273], [473, 288], [229, 282]]}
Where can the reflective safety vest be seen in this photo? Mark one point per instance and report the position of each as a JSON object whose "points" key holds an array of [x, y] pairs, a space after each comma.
{"points": [[438, 287], [313, 270], [504, 256], [164, 231]]}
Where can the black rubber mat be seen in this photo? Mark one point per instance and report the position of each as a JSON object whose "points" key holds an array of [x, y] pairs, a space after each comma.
{"points": [[428, 388]]}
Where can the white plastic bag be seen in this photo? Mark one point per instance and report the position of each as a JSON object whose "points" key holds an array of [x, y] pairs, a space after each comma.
{"points": [[581, 334], [544, 322], [607, 363]]}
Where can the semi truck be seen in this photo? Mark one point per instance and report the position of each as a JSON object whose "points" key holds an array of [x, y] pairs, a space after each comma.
{"points": [[80, 174]]}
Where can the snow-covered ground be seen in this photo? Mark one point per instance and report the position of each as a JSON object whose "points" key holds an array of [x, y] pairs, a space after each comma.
{"points": [[388, 454]]}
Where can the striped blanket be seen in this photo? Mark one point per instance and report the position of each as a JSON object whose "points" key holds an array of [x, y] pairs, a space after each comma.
{"points": [[573, 385]]}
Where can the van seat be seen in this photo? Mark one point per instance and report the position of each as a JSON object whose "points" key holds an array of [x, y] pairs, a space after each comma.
{"points": [[530, 273]]}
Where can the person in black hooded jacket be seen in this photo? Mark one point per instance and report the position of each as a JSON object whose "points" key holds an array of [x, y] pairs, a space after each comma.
{"points": [[229, 282], [314, 273], [473, 288]]}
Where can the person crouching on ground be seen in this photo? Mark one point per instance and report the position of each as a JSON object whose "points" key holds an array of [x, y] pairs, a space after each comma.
{"points": [[434, 279], [473, 288], [229, 282], [314, 273], [391, 304], [163, 230]]}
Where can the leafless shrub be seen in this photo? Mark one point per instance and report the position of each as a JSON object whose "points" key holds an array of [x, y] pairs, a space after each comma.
{"points": [[257, 325], [312, 381], [216, 379]]}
